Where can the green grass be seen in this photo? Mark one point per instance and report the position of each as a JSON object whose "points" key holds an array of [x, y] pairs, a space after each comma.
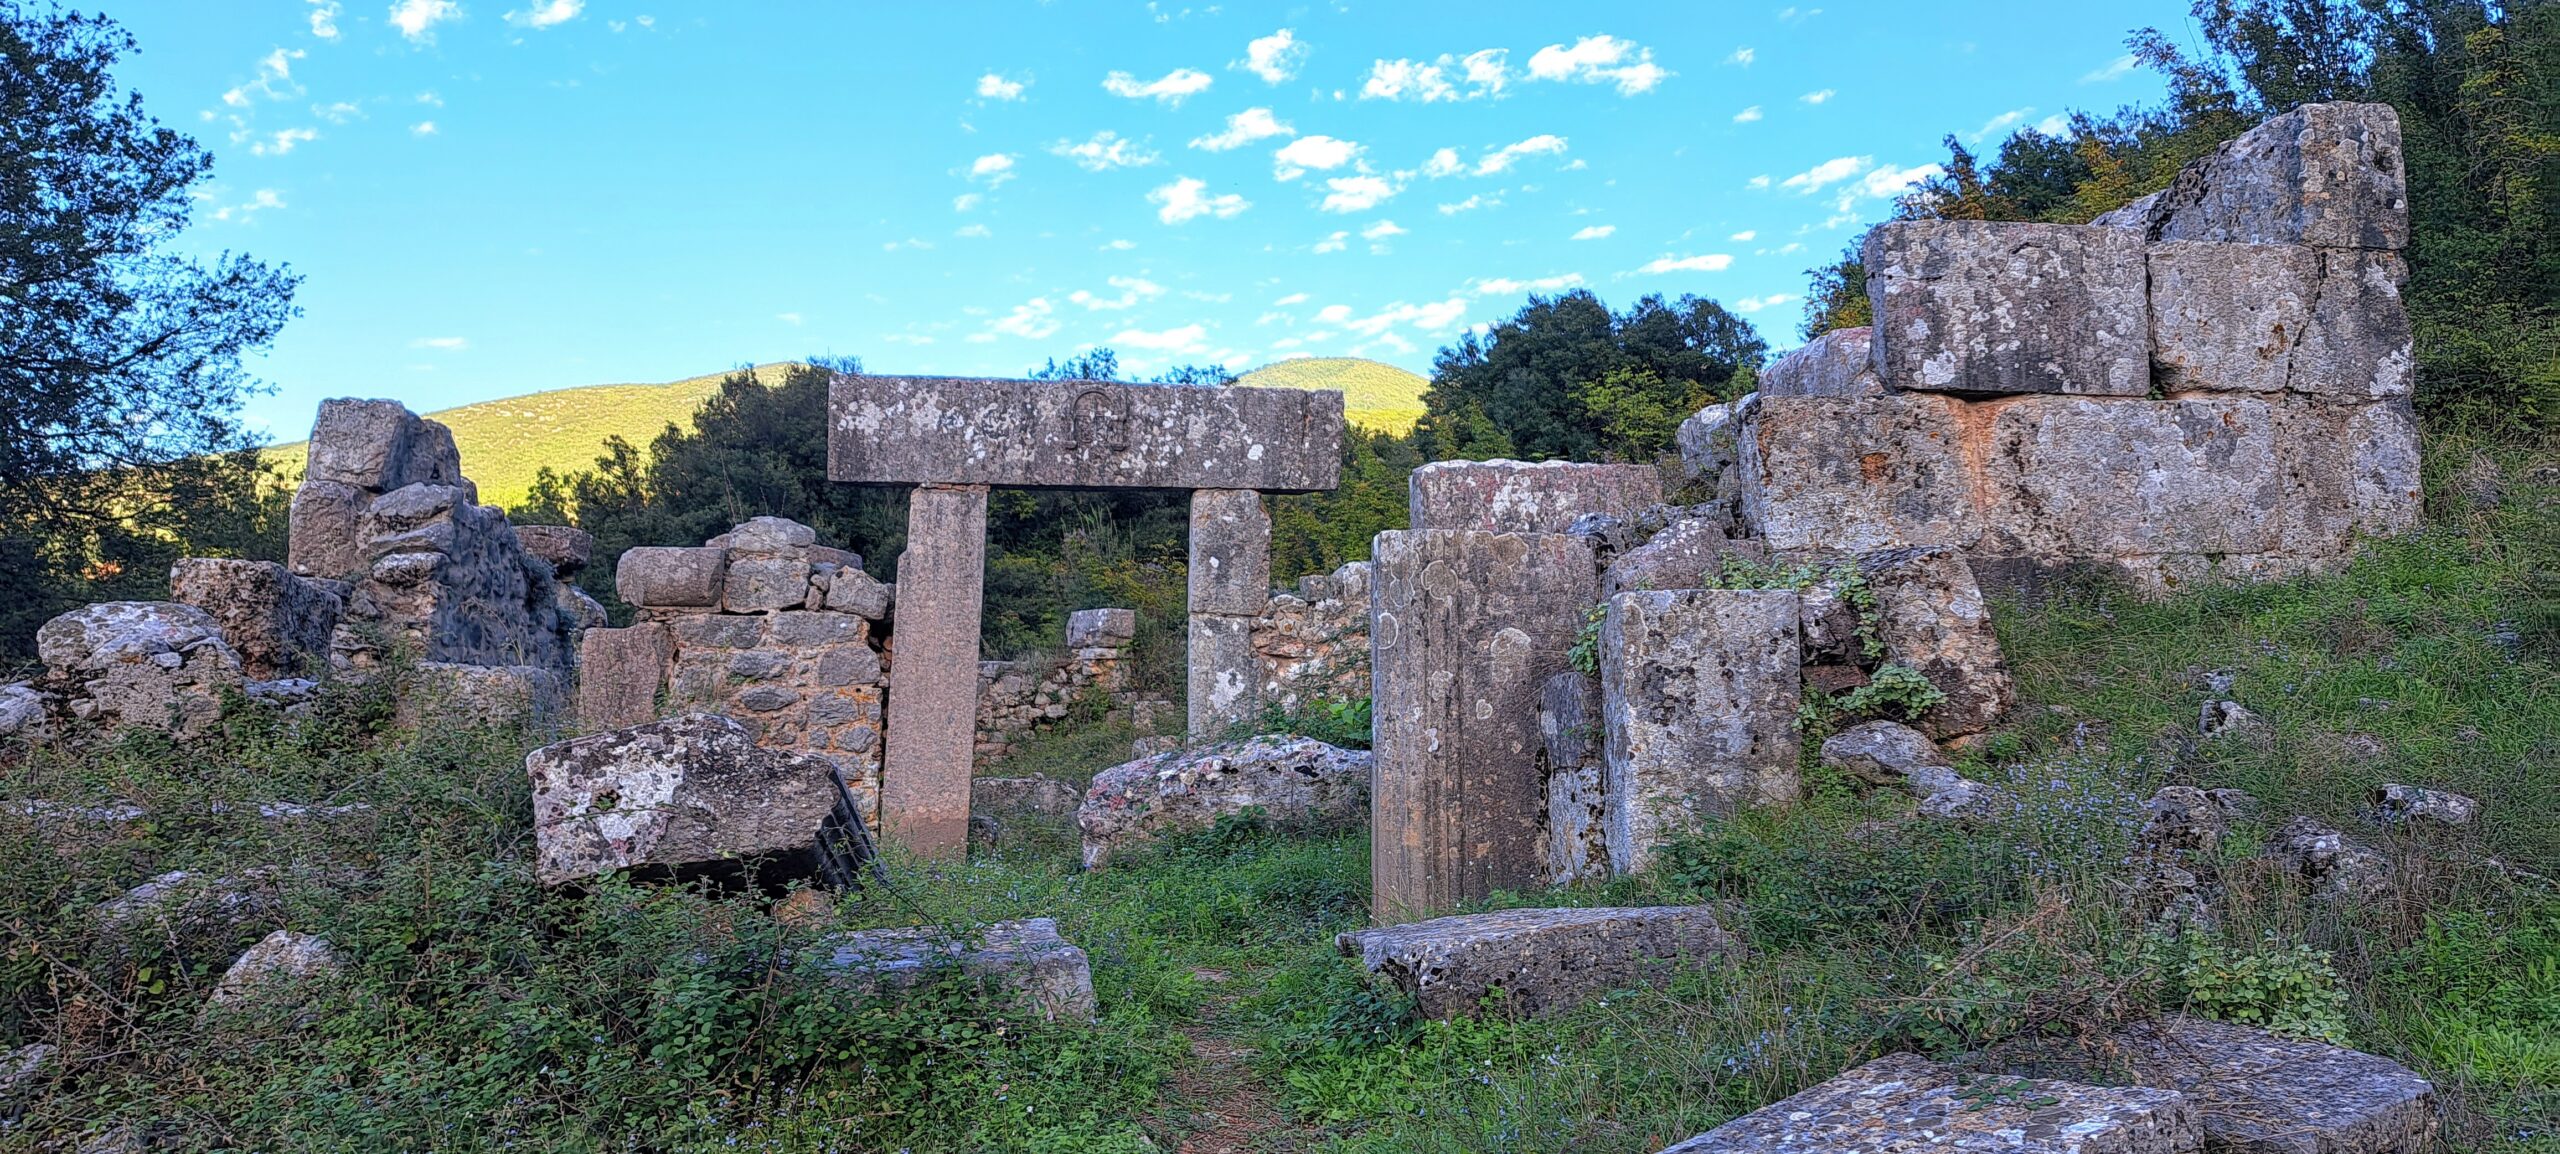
{"points": [[504, 441], [484, 1011]]}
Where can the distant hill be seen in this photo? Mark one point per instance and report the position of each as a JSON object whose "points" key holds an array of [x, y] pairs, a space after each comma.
{"points": [[504, 441]]}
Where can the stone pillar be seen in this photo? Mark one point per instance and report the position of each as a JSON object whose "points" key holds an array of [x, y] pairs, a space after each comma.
{"points": [[619, 674], [933, 676], [1465, 628], [1230, 585], [1698, 697]]}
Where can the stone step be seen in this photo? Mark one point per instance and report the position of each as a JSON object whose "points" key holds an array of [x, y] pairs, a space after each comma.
{"points": [[1906, 1102], [1542, 959]]}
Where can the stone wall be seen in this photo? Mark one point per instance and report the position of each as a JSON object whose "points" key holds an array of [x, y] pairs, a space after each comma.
{"points": [[2213, 381], [1017, 699], [1312, 645]]}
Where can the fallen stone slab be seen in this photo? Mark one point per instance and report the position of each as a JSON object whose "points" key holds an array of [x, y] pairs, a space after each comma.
{"points": [[686, 791], [1685, 555], [1540, 959], [2006, 307], [1503, 496], [1293, 781], [1039, 971], [1907, 1103], [2332, 863], [146, 663], [2256, 1093]]}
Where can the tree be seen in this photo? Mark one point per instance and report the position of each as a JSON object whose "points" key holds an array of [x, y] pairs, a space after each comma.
{"points": [[1530, 381], [120, 376]]}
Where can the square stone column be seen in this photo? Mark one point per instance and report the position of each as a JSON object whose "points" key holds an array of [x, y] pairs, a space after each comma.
{"points": [[1698, 697], [933, 675], [1230, 586], [1465, 629]]}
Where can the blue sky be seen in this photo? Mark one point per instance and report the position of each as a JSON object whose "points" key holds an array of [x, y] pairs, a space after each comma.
{"points": [[490, 197]]}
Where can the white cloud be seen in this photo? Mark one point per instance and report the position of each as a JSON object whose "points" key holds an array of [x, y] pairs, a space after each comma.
{"points": [[1757, 182], [2112, 70], [1170, 89], [1292, 299], [1443, 163], [1888, 180], [1181, 339], [1746, 236], [547, 14], [1832, 171], [2057, 124], [446, 344], [1121, 245], [430, 99], [1335, 243], [1357, 193], [1186, 199], [1470, 204], [1132, 290], [1595, 231], [1742, 56], [1107, 150], [1819, 95], [1505, 286], [1755, 304], [1244, 128], [1703, 262], [993, 86], [274, 80], [1546, 144], [1382, 230], [1600, 60], [973, 230], [966, 201], [1333, 314], [912, 242], [1480, 73], [995, 168], [1432, 317], [1323, 153], [258, 201], [1747, 115], [423, 128], [1275, 58], [324, 19], [1999, 124], [788, 318], [339, 113], [417, 19], [1029, 320], [283, 141]]}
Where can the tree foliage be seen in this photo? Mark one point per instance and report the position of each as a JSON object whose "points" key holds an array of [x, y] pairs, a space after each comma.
{"points": [[1531, 382]]}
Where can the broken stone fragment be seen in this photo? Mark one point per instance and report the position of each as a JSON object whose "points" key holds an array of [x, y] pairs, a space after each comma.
{"points": [[1577, 827], [1710, 440], [856, 592], [1839, 363], [22, 711], [280, 961], [1685, 555], [685, 791], [1931, 616], [1026, 962], [770, 537], [1541, 960], [1293, 781], [1101, 628], [1503, 496], [2329, 861], [566, 549], [157, 664], [379, 446], [1906, 1102], [278, 623], [2410, 805], [2004, 308], [205, 916], [2232, 721], [2328, 175]]}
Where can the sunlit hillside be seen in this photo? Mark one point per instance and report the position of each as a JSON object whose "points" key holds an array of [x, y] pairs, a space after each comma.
{"points": [[504, 441]]}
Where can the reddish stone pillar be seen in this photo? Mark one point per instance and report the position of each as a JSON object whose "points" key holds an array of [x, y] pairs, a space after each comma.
{"points": [[933, 673]]}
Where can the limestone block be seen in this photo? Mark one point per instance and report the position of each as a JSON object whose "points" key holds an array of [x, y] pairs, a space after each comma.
{"points": [[716, 631], [1886, 753], [1081, 434], [147, 663], [1687, 555], [2002, 307], [1711, 438], [1034, 968], [567, 550], [1930, 615], [1698, 697], [1224, 677], [934, 681], [1540, 960], [659, 577], [688, 790], [770, 537], [849, 665], [856, 592], [1907, 1102], [764, 584], [1465, 629], [23, 712], [277, 623], [1297, 782], [321, 529], [1577, 825], [1839, 363], [1569, 719], [379, 446], [280, 961], [2229, 317], [807, 629], [2358, 342], [1852, 474], [620, 672], [2350, 471], [1230, 552], [2257, 1093], [2328, 175], [1101, 628], [2077, 477], [1525, 497]]}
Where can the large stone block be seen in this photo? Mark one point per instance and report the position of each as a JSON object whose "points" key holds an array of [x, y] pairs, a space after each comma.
{"points": [[1230, 552], [763, 584], [158, 664], [1101, 628], [379, 446], [2254, 1092], [2328, 175], [1698, 697], [1906, 1102], [1711, 439], [1081, 434], [278, 623], [2358, 342], [1850, 474], [689, 790], [1295, 782], [659, 577], [1839, 363], [2075, 477], [321, 536], [933, 686], [2228, 317], [1985, 307], [1930, 615], [1223, 676], [620, 672], [2350, 471], [1540, 960], [1685, 555], [1025, 962], [1523, 496], [1465, 627]]}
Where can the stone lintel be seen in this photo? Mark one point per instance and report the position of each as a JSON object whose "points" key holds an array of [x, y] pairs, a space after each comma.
{"points": [[1081, 434]]}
